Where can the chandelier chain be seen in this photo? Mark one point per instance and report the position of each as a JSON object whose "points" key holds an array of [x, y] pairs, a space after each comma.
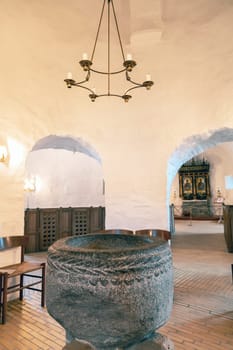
{"points": [[98, 30], [118, 31]]}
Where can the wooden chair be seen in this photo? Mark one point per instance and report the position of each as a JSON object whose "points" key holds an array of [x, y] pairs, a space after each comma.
{"points": [[163, 234], [116, 231], [12, 276]]}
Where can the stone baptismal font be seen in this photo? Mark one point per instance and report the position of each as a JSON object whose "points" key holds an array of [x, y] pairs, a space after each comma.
{"points": [[110, 291]]}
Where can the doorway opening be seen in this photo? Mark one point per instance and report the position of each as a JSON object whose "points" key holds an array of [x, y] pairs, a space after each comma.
{"points": [[217, 147], [64, 190]]}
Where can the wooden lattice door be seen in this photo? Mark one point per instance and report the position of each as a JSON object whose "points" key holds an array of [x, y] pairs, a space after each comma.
{"points": [[80, 222], [48, 228], [45, 226]]}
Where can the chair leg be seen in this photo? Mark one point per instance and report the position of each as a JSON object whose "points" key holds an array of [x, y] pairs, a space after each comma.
{"points": [[43, 285], [4, 297], [1, 292], [232, 272], [21, 288]]}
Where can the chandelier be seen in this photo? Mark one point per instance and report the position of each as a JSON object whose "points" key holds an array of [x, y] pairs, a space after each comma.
{"points": [[127, 63]]}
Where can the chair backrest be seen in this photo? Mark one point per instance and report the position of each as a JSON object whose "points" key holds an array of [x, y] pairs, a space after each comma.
{"points": [[163, 234], [117, 231], [14, 242]]}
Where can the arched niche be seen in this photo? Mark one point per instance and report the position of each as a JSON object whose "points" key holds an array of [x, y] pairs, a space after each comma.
{"points": [[65, 171]]}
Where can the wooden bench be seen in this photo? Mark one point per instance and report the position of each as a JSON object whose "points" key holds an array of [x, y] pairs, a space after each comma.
{"points": [[12, 276]]}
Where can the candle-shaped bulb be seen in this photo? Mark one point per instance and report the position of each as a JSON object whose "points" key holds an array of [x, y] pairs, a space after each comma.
{"points": [[69, 75], [148, 77], [85, 57], [94, 91], [129, 57]]}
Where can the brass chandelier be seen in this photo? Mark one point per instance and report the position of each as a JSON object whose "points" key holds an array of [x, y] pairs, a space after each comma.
{"points": [[128, 63]]}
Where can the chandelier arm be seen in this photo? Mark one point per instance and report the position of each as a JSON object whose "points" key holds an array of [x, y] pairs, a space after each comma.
{"points": [[74, 83], [130, 80], [133, 88], [98, 30], [118, 31], [106, 73], [135, 83], [80, 82], [83, 87], [102, 95]]}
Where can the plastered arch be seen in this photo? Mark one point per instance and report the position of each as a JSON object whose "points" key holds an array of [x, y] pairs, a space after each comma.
{"points": [[191, 147], [67, 172]]}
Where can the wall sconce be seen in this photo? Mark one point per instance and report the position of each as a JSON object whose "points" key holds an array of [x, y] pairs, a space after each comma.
{"points": [[218, 192], [3, 154], [30, 184]]}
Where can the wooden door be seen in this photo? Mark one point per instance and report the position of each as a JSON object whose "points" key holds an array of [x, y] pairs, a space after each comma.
{"points": [[49, 227]]}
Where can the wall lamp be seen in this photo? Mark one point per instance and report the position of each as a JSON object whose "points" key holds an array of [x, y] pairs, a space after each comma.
{"points": [[30, 184], [3, 154]]}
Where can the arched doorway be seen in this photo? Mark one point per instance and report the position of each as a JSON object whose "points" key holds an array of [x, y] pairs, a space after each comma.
{"points": [[203, 144], [64, 192]]}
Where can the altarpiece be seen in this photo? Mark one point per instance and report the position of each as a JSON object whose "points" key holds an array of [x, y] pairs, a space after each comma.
{"points": [[194, 187], [194, 180]]}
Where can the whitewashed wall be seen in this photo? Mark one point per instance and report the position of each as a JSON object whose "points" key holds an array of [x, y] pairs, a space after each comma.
{"points": [[64, 179], [190, 62]]}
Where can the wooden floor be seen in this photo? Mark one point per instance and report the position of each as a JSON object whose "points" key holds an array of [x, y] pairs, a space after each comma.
{"points": [[202, 316]]}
